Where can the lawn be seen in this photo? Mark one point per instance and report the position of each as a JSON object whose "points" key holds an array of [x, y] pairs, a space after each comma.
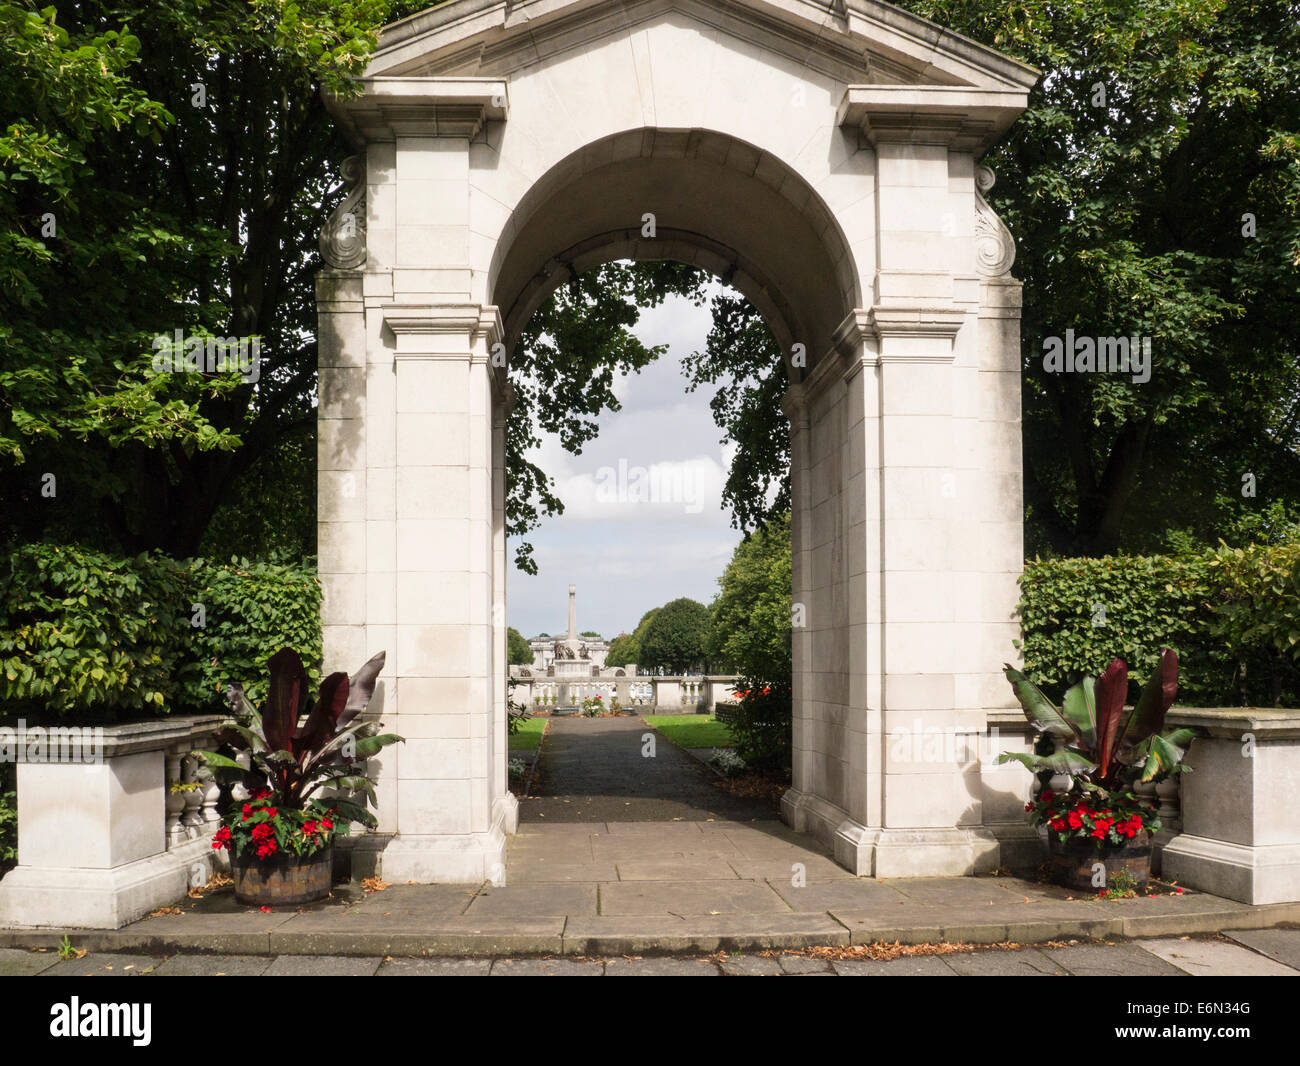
{"points": [[529, 736], [691, 730]]}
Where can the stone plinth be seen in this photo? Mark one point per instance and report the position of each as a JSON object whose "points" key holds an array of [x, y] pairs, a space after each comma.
{"points": [[1241, 835]]}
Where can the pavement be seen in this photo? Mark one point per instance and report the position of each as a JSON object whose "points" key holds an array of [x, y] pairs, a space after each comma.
{"points": [[697, 873], [622, 770], [1262, 953]]}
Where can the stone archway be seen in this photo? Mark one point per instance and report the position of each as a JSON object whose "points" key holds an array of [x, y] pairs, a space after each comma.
{"points": [[823, 158]]}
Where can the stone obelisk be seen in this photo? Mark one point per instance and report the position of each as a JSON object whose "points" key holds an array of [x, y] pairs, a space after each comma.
{"points": [[573, 614]]}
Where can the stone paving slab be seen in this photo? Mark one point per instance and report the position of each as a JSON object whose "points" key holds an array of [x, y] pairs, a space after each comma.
{"points": [[690, 897], [105, 965], [661, 968], [675, 870], [321, 966], [916, 966], [214, 966], [526, 871], [434, 968], [1024, 963], [1214, 958], [1111, 960], [537, 899], [23, 962], [1281, 945], [547, 968]]}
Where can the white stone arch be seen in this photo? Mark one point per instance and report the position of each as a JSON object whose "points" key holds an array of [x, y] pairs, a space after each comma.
{"points": [[824, 158], [757, 224]]}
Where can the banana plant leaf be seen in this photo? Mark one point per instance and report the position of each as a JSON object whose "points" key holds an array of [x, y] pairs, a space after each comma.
{"points": [[1111, 690], [1039, 710], [1061, 762]]}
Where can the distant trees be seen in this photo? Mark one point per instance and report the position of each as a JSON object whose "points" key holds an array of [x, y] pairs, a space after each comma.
{"points": [[518, 651], [676, 637]]}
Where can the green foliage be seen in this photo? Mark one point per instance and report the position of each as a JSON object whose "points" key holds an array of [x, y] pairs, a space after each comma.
{"points": [[750, 624], [296, 745], [1129, 218], [762, 726], [251, 609], [622, 650], [518, 651], [675, 638], [8, 819], [94, 636], [82, 633], [1232, 615]]}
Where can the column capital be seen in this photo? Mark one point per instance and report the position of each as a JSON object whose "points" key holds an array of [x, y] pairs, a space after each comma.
{"points": [[467, 330]]}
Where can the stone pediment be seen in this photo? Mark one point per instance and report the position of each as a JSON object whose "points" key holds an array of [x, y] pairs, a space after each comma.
{"points": [[853, 41]]}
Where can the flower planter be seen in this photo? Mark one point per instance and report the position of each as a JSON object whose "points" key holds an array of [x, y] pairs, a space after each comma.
{"points": [[282, 880], [1071, 863]]}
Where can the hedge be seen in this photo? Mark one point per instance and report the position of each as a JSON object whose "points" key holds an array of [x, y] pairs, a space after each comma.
{"points": [[1233, 616], [97, 637]]}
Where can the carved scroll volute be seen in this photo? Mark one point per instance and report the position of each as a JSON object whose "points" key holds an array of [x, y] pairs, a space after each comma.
{"points": [[995, 248], [343, 239]]}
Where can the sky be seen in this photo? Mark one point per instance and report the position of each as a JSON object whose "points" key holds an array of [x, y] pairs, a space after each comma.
{"points": [[643, 521]]}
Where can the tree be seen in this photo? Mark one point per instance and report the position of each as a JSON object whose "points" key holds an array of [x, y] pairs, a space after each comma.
{"points": [[750, 620], [622, 651], [1154, 190], [188, 166], [675, 637], [518, 651]]}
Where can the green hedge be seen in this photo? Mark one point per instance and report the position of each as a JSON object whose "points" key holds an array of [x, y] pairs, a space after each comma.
{"points": [[96, 637], [1231, 614]]}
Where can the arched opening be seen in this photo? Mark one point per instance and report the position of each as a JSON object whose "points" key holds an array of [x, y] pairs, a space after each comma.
{"points": [[701, 198]]}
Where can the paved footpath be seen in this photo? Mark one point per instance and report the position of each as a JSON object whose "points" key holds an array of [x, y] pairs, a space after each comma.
{"points": [[597, 770], [1269, 952]]}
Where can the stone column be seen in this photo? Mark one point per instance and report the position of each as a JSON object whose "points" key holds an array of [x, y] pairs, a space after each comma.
{"points": [[450, 815]]}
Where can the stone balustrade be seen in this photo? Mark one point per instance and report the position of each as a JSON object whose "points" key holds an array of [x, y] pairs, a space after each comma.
{"points": [[668, 693], [117, 829]]}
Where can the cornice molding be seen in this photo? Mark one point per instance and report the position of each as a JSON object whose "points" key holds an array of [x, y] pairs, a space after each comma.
{"points": [[421, 107], [958, 117]]}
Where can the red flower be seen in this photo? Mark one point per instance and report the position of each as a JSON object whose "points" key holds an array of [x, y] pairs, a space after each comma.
{"points": [[270, 812], [1075, 820], [327, 823], [1058, 824], [267, 847], [308, 828], [221, 838], [1046, 796], [263, 794], [262, 832]]}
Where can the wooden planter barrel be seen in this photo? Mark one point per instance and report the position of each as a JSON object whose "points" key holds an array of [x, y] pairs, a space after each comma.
{"points": [[282, 880], [1071, 863]]}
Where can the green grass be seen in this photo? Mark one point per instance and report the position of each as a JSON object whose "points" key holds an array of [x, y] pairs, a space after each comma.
{"points": [[529, 736], [691, 730]]}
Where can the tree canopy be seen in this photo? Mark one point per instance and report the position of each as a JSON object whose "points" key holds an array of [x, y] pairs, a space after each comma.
{"points": [[750, 620], [676, 637], [168, 167]]}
